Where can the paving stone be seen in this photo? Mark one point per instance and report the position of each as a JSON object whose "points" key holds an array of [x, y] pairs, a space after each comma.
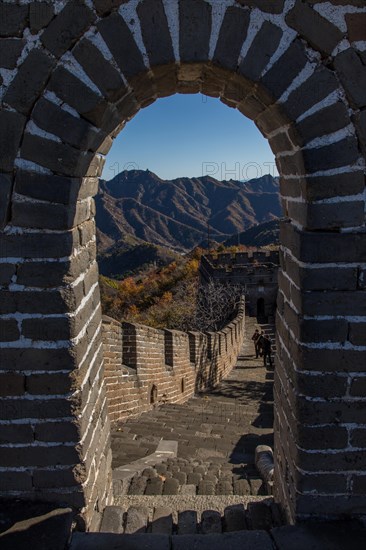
{"points": [[210, 522], [194, 478], [242, 487], [171, 487], [161, 468], [188, 490], [206, 488], [138, 485], [224, 488], [181, 477], [162, 522], [234, 518], [136, 520], [150, 473], [187, 522], [112, 521], [154, 486], [259, 516]]}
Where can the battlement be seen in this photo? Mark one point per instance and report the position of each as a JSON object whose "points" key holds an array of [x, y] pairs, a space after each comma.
{"points": [[145, 367]]}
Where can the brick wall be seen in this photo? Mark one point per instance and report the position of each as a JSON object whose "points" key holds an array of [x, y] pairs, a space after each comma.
{"points": [[178, 364]]}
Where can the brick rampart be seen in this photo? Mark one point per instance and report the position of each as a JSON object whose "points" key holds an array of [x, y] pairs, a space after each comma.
{"points": [[145, 367]]}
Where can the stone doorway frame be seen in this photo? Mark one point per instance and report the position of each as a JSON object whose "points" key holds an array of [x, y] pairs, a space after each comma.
{"points": [[72, 81]]}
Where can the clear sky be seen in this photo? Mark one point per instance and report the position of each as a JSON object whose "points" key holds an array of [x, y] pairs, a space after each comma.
{"points": [[191, 135]]}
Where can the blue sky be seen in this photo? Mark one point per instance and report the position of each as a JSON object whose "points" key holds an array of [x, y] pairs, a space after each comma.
{"points": [[191, 135]]}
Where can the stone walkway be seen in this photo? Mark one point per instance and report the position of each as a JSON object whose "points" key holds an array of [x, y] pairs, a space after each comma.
{"points": [[217, 433]]}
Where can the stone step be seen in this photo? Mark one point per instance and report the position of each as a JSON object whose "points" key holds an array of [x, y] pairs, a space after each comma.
{"points": [[189, 514], [250, 540]]}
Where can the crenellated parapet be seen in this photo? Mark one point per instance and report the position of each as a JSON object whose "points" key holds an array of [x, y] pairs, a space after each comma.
{"points": [[146, 367]]}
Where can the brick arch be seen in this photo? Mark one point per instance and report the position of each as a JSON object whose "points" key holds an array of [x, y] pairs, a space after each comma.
{"points": [[95, 65]]}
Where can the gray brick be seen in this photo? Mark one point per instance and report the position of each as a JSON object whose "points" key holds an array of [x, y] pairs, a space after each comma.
{"points": [[234, 517], [104, 7], [171, 487], [46, 329], [187, 522], [317, 31], [155, 32], [74, 131], [360, 121], [6, 188], [9, 330], [206, 488], [320, 84], [288, 66], [162, 522], [326, 121], [122, 45], [260, 52], [154, 486], [11, 129], [49, 216], [16, 433], [210, 522], [224, 487], [241, 487], [12, 384], [67, 27], [99, 70], [16, 481], [13, 19], [136, 521], [233, 32], [54, 188], [60, 157], [352, 73], [89, 104], [29, 81], [26, 358], [357, 333], [259, 516], [194, 30], [40, 14], [10, 49], [338, 154], [6, 273], [56, 431]]}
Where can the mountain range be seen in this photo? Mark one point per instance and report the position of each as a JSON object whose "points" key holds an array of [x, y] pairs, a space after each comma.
{"points": [[137, 206]]}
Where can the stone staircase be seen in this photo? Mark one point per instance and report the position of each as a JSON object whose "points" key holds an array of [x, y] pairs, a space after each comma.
{"points": [[184, 475]]}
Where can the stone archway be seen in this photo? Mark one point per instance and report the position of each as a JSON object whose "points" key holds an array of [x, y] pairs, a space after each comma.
{"points": [[69, 85]]}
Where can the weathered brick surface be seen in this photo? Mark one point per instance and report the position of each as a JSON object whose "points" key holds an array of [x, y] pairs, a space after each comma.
{"points": [[356, 26], [99, 70], [155, 32], [232, 35], [6, 188], [29, 81], [122, 45], [75, 131], [13, 19], [194, 30], [11, 129], [352, 73], [318, 31], [259, 54], [10, 49], [288, 66], [55, 189], [264, 5], [67, 27], [40, 14]]}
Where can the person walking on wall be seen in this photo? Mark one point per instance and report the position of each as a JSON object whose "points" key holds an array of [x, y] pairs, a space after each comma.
{"points": [[267, 350], [255, 339]]}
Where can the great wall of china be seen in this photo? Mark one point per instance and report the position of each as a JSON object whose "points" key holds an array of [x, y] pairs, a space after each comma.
{"points": [[72, 74]]}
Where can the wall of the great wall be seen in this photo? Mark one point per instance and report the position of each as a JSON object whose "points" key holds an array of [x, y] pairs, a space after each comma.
{"points": [[145, 367]]}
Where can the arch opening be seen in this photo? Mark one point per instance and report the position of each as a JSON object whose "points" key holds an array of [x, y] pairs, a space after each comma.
{"points": [[58, 133]]}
